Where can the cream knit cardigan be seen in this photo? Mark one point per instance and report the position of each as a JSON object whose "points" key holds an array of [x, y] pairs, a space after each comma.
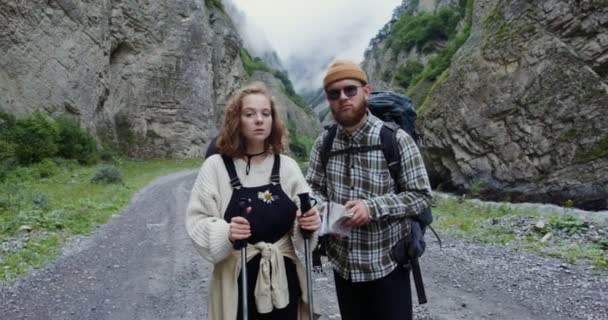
{"points": [[208, 230]]}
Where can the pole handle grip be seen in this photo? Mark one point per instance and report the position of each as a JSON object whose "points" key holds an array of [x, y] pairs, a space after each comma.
{"points": [[305, 205], [243, 203]]}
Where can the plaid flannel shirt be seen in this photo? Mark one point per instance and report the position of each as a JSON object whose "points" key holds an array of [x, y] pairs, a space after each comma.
{"points": [[365, 255]]}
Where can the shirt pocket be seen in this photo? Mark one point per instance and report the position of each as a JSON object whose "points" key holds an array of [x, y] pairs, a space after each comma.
{"points": [[374, 182]]}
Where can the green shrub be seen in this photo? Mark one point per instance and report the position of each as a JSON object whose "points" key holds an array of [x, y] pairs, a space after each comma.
{"points": [[35, 138], [252, 64], [477, 188], [298, 149], [300, 145], [23, 174], [407, 72], [107, 174], [416, 31], [570, 225], [66, 165], [124, 133], [75, 142], [45, 168], [8, 124], [7, 149], [7, 120], [11, 197], [40, 201], [7, 166], [108, 155]]}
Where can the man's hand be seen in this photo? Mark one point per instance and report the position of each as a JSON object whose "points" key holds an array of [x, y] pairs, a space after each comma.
{"points": [[310, 220], [359, 212], [238, 228]]}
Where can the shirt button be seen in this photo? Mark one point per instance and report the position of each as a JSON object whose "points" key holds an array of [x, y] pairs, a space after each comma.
{"points": [[352, 187]]}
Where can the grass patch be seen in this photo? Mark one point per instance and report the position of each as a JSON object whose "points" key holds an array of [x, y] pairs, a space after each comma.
{"points": [[517, 229], [38, 214], [33, 255]]}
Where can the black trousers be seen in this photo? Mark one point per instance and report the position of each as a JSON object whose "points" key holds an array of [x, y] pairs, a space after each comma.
{"points": [[387, 298]]}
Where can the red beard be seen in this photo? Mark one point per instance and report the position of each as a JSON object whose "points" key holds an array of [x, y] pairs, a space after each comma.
{"points": [[351, 116]]}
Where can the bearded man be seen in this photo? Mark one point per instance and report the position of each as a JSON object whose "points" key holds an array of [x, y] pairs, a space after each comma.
{"points": [[370, 284]]}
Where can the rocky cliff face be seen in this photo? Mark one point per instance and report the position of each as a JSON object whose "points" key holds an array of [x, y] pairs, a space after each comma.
{"points": [[521, 113], [150, 77], [380, 59]]}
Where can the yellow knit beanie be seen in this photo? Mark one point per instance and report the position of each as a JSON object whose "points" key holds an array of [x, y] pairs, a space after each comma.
{"points": [[344, 69]]}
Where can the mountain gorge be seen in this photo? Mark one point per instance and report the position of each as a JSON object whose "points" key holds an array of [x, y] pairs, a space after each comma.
{"points": [[149, 78], [511, 95]]}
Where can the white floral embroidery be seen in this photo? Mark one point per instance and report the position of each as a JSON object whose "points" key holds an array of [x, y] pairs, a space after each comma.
{"points": [[265, 196]]}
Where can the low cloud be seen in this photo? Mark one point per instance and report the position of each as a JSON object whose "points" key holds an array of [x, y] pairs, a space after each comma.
{"points": [[309, 35]]}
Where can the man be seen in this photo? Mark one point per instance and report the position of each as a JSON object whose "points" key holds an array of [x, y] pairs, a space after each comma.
{"points": [[369, 283]]}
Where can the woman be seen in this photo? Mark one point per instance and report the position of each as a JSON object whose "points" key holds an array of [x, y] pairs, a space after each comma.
{"points": [[250, 166]]}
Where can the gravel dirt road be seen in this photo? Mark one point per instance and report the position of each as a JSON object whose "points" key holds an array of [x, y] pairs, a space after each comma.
{"points": [[141, 266]]}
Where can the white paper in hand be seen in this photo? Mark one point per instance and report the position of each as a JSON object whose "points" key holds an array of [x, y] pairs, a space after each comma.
{"points": [[334, 215]]}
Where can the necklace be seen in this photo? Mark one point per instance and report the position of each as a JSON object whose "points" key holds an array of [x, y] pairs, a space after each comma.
{"points": [[249, 156]]}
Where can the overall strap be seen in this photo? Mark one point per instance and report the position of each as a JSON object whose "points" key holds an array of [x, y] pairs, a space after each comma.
{"points": [[275, 178], [234, 179]]}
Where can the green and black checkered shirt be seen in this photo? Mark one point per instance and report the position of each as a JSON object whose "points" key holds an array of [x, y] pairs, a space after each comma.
{"points": [[365, 256]]}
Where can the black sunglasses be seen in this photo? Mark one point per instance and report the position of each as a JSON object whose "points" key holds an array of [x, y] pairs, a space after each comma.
{"points": [[349, 91]]}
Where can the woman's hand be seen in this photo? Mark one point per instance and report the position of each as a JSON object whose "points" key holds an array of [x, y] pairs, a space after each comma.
{"points": [[310, 220], [238, 228]]}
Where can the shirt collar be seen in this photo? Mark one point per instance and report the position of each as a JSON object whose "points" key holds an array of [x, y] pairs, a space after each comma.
{"points": [[359, 135]]}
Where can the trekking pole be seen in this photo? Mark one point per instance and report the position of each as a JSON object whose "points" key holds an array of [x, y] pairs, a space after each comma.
{"points": [[418, 281], [414, 266], [242, 245], [304, 207]]}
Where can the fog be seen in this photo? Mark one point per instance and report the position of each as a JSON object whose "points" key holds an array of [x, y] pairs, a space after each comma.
{"points": [[308, 35]]}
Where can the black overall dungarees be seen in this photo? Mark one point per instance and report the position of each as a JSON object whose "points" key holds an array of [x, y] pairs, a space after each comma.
{"points": [[272, 216]]}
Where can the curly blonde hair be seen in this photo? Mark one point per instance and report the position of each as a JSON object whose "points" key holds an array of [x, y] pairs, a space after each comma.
{"points": [[231, 141]]}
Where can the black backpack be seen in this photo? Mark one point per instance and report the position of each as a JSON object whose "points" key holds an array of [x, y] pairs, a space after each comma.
{"points": [[397, 112], [211, 148]]}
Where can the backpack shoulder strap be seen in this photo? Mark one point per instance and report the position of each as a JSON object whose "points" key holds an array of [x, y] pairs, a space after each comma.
{"points": [[388, 138], [235, 182], [327, 143]]}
